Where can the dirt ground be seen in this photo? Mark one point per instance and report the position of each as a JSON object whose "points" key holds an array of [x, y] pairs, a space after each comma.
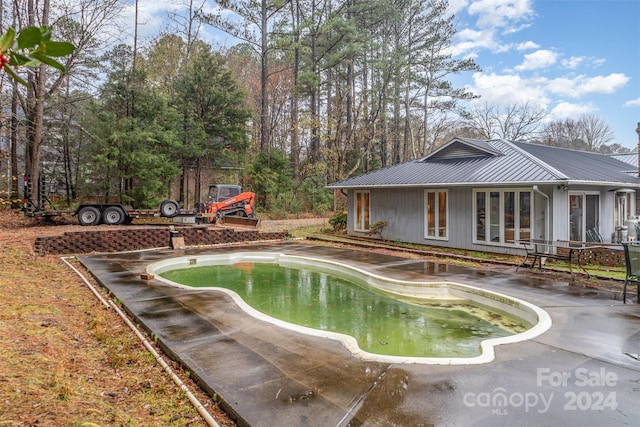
{"points": [[66, 359]]}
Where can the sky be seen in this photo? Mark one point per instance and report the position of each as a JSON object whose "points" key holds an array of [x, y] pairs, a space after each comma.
{"points": [[567, 57]]}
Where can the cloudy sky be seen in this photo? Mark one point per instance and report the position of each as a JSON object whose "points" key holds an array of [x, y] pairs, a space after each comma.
{"points": [[568, 57]]}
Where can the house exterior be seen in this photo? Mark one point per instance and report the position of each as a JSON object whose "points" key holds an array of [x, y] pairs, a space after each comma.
{"points": [[484, 195], [631, 159]]}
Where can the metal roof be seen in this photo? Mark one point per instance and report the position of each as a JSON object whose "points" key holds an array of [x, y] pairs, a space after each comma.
{"points": [[631, 158], [465, 161]]}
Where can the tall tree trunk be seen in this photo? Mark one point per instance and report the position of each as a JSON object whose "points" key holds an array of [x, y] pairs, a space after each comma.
{"points": [[294, 128], [198, 183], [408, 147], [65, 120], [14, 141], [313, 99], [396, 124], [264, 77], [35, 106], [135, 37]]}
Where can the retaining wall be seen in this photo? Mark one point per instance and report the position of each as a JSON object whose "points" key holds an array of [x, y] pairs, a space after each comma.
{"points": [[130, 239]]}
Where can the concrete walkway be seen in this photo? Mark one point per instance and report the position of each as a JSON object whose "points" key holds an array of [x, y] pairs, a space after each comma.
{"points": [[583, 371]]}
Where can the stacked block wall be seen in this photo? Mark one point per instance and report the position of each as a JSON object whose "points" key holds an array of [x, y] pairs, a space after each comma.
{"points": [[611, 256], [126, 239]]}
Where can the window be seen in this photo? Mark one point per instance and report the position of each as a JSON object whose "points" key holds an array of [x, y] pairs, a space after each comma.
{"points": [[481, 218], [524, 213], [502, 216], [436, 217], [362, 211], [584, 216]]}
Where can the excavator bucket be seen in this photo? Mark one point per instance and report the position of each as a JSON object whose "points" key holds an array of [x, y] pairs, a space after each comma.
{"points": [[239, 220]]}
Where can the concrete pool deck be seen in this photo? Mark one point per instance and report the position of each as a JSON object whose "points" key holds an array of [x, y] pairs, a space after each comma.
{"points": [[583, 371]]}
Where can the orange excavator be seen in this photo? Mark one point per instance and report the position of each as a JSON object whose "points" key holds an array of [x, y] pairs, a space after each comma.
{"points": [[227, 204]]}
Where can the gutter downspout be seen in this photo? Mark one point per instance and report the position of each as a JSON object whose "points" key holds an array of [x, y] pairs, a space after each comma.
{"points": [[546, 212]]}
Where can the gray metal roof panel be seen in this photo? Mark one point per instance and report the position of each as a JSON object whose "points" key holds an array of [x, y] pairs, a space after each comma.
{"points": [[630, 158], [517, 163], [582, 165]]}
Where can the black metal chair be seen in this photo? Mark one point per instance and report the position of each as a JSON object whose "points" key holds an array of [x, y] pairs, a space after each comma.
{"points": [[632, 260], [593, 235]]}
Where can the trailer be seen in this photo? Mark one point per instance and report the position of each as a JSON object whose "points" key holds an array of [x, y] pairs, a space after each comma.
{"points": [[116, 213], [225, 203]]}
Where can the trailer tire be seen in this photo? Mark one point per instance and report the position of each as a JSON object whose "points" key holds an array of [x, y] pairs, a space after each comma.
{"points": [[169, 208], [89, 215], [113, 215]]}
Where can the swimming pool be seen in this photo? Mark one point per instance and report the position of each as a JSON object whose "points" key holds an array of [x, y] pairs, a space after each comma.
{"points": [[386, 319]]}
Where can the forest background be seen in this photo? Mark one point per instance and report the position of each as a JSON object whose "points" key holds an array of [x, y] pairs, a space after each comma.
{"points": [[315, 91]]}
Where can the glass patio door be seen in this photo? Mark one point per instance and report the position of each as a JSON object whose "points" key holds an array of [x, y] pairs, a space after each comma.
{"points": [[584, 214]]}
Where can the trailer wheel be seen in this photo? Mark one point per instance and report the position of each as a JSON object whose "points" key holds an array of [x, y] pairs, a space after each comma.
{"points": [[113, 215], [89, 216], [169, 208]]}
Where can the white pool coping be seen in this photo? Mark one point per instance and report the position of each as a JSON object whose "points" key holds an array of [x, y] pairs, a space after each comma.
{"points": [[515, 307]]}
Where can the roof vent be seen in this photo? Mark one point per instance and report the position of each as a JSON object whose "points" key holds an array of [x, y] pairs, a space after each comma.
{"points": [[457, 151]]}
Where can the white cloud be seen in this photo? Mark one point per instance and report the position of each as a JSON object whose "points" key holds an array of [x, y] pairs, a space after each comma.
{"points": [[500, 13], [154, 17], [584, 61], [493, 16], [528, 45], [604, 84], [564, 110], [573, 62], [508, 89], [469, 40], [501, 89], [515, 29], [454, 6], [579, 86], [633, 103], [539, 59], [565, 86], [151, 16]]}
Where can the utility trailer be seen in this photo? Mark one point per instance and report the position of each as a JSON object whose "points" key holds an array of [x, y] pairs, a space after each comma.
{"points": [[223, 202], [116, 213]]}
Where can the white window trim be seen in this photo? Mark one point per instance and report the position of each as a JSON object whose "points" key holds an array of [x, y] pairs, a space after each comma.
{"points": [[501, 242], [356, 194], [437, 213]]}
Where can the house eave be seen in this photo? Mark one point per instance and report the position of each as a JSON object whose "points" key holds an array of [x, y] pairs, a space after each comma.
{"points": [[488, 184]]}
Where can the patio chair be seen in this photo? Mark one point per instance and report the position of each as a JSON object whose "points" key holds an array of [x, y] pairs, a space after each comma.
{"points": [[593, 235], [632, 261]]}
